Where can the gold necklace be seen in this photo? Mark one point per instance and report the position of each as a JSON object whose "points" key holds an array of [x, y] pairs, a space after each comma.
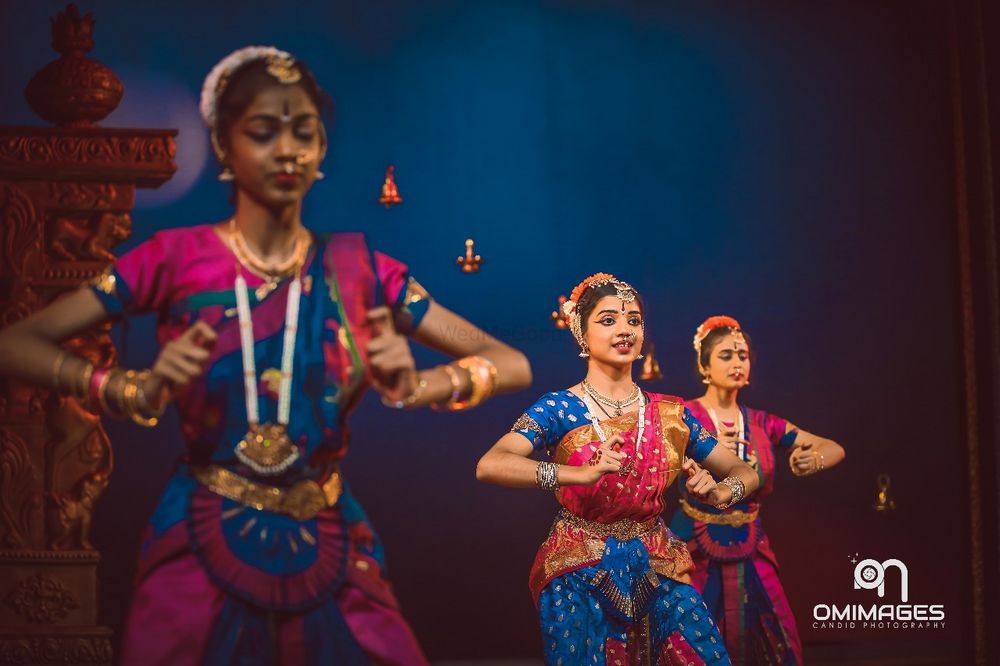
{"points": [[617, 405], [270, 273]]}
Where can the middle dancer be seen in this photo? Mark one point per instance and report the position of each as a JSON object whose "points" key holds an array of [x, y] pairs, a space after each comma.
{"points": [[611, 582]]}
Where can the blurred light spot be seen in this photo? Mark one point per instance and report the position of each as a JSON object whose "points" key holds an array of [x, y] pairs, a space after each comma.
{"points": [[159, 102]]}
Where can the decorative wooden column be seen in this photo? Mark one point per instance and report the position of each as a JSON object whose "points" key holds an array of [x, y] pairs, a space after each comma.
{"points": [[66, 193]]}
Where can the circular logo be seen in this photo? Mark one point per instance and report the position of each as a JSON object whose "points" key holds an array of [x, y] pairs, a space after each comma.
{"points": [[869, 574]]}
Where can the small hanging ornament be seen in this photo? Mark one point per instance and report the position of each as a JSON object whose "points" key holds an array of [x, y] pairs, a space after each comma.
{"points": [[883, 499], [558, 318], [471, 261], [650, 367], [390, 193]]}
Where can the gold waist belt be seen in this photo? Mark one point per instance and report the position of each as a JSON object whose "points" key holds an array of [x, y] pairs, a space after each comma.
{"points": [[623, 530], [732, 518], [301, 501]]}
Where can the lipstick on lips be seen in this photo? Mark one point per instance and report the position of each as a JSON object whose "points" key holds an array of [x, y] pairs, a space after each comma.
{"points": [[623, 345], [286, 179]]}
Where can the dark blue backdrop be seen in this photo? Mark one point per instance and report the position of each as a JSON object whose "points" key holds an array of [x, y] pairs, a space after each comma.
{"points": [[787, 163]]}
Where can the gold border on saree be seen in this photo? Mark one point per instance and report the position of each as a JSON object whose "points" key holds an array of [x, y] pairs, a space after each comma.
{"points": [[302, 501], [731, 518], [623, 529]]}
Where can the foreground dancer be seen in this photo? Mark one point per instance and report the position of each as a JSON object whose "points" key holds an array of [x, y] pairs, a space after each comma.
{"points": [[611, 582], [735, 568], [258, 553]]}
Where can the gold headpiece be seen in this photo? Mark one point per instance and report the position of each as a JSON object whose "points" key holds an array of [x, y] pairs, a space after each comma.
{"points": [[623, 290], [280, 64]]}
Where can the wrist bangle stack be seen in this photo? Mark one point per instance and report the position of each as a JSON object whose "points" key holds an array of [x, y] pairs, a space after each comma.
{"points": [[128, 400], [547, 476], [134, 402], [739, 491], [483, 377]]}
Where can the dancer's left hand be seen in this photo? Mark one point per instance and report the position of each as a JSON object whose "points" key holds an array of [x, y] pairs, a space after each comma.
{"points": [[804, 459], [391, 365]]}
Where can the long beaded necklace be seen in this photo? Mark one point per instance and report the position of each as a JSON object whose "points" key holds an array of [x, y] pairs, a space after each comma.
{"points": [[266, 448], [617, 405]]}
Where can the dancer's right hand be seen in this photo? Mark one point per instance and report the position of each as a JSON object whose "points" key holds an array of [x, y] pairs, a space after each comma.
{"points": [[606, 460], [731, 441], [180, 361]]}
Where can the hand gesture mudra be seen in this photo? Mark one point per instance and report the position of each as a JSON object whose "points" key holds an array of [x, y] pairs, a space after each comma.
{"points": [[731, 440], [180, 361], [805, 459], [606, 460], [393, 370], [701, 484]]}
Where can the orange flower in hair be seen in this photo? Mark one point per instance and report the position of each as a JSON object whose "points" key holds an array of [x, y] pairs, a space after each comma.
{"points": [[718, 321], [582, 287], [709, 325]]}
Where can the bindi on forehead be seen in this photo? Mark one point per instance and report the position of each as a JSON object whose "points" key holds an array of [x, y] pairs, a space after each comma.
{"points": [[282, 101]]}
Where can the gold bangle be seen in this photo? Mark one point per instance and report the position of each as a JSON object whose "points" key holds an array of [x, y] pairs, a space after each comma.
{"points": [[456, 391], [123, 396], [117, 397], [483, 375], [130, 395], [83, 384], [141, 401], [56, 368], [102, 393]]}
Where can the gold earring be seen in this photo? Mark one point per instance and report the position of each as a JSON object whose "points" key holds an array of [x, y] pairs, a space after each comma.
{"points": [[227, 175], [320, 175]]}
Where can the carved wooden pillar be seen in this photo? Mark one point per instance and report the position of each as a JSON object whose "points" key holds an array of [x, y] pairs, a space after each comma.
{"points": [[65, 197]]}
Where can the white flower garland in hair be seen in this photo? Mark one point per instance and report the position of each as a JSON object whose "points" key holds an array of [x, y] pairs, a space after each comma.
{"points": [[225, 67]]}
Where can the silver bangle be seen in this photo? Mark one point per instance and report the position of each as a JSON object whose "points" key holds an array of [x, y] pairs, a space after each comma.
{"points": [[547, 476], [739, 491]]}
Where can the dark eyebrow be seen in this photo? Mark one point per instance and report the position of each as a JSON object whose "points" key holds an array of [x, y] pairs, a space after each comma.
{"points": [[614, 312], [272, 117], [638, 312]]}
